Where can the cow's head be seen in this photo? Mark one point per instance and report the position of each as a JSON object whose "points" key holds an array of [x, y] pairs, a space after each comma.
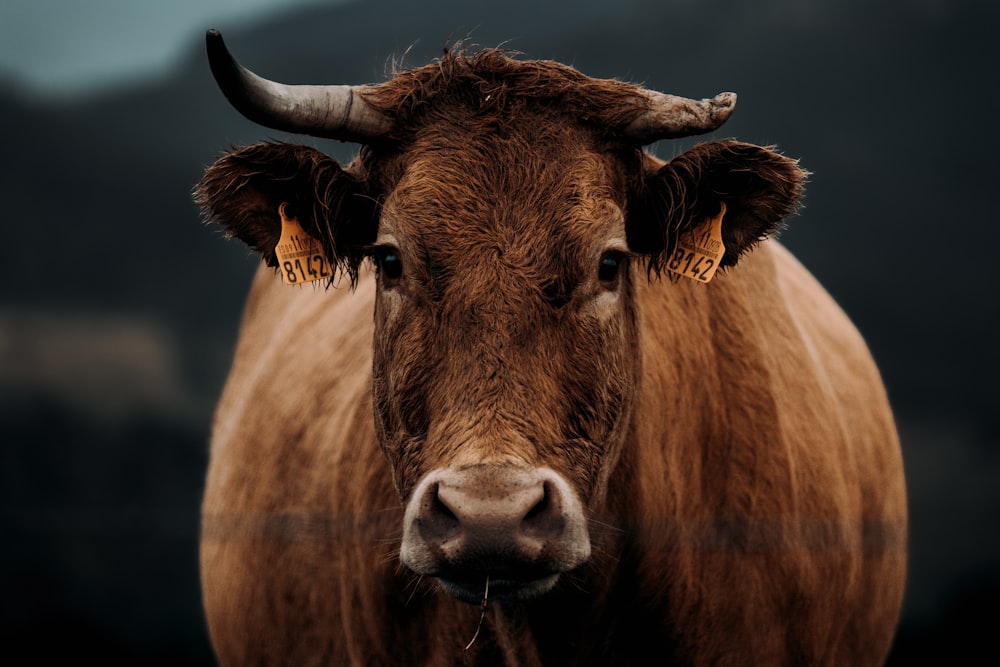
{"points": [[509, 209]]}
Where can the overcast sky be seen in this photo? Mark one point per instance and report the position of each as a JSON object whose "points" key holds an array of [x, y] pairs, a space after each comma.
{"points": [[64, 46]]}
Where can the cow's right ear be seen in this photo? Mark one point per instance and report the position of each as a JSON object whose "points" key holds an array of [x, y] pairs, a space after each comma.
{"points": [[758, 186], [243, 190]]}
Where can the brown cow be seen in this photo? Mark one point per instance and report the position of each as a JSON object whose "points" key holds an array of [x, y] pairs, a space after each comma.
{"points": [[611, 467]]}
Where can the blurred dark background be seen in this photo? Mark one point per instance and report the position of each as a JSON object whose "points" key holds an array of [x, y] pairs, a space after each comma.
{"points": [[119, 309]]}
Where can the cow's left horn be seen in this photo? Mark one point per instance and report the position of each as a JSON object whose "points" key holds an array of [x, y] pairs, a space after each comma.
{"points": [[671, 117], [332, 112]]}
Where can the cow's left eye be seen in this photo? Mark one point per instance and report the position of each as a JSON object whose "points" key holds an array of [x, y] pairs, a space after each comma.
{"points": [[610, 268], [389, 264]]}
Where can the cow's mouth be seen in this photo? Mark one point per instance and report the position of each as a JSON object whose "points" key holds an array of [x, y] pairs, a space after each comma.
{"points": [[502, 586]]}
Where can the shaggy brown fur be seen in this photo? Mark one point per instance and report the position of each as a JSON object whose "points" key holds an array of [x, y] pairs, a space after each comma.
{"points": [[730, 445]]}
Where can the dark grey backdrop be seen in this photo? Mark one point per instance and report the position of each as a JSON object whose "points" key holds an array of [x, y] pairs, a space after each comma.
{"points": [[118, 310]]}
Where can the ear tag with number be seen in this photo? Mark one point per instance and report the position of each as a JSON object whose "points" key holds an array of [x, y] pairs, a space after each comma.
{"points": [[300, 257], [699, 253]]}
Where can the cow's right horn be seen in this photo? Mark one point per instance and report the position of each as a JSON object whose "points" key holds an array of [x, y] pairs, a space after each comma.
{"points": [[672, 117], [332, 112]]}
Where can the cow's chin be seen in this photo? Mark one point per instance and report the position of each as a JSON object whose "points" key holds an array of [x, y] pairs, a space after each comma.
{"points": [[480, 589]]}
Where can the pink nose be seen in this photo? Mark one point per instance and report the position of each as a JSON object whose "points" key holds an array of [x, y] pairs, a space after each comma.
{"points": [[521, 527]]}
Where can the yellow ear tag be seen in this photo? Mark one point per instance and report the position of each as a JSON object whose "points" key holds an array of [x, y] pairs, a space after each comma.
{"points": [[699, 253], [300, 256]]}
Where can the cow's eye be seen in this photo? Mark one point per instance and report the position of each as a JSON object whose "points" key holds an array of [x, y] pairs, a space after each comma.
{"points": [[610, 268], [389, 264]]}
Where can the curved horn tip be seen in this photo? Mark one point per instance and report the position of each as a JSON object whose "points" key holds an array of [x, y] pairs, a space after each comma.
{"points": [[233, 80], [673, 117], [218, 52], [320, 111], [214, 41], [220, 59], [725, 100], [719, 109]]}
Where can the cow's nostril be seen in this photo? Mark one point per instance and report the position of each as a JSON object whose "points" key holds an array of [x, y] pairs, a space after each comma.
{"points": [[545, 521], [437, 521], [538, 509], [541, 507], [438, 508]]}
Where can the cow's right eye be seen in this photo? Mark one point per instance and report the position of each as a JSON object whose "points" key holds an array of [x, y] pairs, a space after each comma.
{"points": [[389, 264], [610, 268]]}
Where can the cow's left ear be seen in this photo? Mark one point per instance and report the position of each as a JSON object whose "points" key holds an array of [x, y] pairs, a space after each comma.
{"points": [[758, 186], [244, 189]]}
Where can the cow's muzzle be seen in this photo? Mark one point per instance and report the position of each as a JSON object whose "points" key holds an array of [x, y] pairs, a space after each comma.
{"points": [[521, 527]]}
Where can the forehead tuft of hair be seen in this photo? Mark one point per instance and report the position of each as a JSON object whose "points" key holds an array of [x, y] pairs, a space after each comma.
{"points": [[493, 82]]}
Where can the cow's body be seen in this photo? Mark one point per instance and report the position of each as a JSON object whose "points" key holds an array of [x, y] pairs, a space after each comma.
{"points": [[734, 495]]}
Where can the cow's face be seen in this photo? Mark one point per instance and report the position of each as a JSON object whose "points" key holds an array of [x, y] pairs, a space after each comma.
{"points": [[505, 331], [508, 240], [505, 349]]}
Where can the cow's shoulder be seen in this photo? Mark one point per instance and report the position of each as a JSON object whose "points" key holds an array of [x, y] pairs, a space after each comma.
{"points": [[302, 351]]}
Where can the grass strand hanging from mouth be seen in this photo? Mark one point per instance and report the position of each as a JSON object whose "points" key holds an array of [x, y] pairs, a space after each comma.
{"points": [[482, 615]]}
